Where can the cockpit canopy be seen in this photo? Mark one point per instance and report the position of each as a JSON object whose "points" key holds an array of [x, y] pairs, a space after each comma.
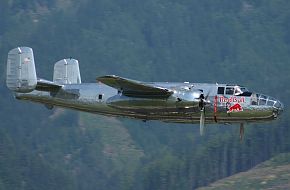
{"points": [[256, 99], [261, 99], [234, 90]]}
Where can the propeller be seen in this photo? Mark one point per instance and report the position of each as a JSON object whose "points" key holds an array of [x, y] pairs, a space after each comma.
{"points": [[202, 120], [202, 102]]}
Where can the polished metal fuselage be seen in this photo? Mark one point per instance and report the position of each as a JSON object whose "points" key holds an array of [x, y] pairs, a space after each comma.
{"points": [[102, 99]]}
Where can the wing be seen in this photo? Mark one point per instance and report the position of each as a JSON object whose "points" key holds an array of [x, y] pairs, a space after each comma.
{"points": [[135, 88]]}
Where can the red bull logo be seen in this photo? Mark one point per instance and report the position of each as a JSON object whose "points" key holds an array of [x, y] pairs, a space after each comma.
{"points": [[232, 99], [235, 108]]}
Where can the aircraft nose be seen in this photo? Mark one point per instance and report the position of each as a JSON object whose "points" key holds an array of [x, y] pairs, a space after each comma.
{"points": [[273, 103], [278, 106]]}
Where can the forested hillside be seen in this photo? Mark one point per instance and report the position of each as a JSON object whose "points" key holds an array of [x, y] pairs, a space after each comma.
{"points": [[242, 41], [272, 174]]}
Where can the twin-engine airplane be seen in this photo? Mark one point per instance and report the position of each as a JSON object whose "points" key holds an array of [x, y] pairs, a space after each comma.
{"points": [[116, 96]]}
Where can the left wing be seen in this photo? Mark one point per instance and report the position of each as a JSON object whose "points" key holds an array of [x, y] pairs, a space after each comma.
{"points": [[135, 88]]}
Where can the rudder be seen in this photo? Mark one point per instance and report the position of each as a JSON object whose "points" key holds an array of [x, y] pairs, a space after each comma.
{"points": [[21, 74], [66, 71]]}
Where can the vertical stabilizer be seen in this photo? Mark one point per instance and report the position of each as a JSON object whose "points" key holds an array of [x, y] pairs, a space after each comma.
{"points": [[21, 75], [66, 71]]}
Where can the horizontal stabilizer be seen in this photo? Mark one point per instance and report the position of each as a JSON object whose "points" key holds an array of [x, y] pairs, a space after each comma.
{"points": [[135, 88], [46, 85]]}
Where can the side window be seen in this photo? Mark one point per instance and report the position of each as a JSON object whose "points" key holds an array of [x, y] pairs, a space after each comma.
{"points": [[230, 90], [221, 90], [262, 100]]}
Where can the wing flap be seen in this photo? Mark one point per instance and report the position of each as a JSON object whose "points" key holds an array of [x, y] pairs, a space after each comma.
{"points": [[135, 88]]}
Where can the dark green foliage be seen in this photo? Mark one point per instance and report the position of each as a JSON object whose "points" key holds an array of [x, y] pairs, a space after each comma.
{"points": [[229, 41], [272, 174]]}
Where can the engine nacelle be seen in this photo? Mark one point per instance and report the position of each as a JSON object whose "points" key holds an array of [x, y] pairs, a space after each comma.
{"points": [[187, 98]]}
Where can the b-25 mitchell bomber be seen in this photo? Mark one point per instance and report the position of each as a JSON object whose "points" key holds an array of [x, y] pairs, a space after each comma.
{"points": [[116, 96]]}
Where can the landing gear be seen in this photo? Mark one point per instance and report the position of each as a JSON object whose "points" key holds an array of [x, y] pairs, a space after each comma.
{"points": [[242, 131], [48, 106], [275, 114]]}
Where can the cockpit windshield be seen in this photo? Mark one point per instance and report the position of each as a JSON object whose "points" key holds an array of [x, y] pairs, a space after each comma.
{"points": [[261, 99], [237, 91]]}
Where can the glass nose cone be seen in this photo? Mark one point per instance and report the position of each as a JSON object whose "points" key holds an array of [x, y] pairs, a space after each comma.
{"points": [[279, 106]]}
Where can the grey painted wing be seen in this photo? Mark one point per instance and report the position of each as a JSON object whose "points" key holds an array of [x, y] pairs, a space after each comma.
{"points": [[135, 88]]}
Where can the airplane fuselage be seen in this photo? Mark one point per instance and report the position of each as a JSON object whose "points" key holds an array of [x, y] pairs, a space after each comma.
{"points": [[117, 96], [102, 99]]}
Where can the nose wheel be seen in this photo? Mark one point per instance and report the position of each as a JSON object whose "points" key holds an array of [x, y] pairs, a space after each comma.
{"points": [[242, 131], [275, 114]]}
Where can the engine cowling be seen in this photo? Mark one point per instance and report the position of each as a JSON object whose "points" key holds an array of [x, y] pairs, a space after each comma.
{"points": [[188, 98]]}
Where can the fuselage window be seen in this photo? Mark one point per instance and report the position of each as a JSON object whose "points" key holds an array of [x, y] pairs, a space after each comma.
{"points": [[230, 90], [271, 101], [221, 90], [262, 100], [100, 96]]}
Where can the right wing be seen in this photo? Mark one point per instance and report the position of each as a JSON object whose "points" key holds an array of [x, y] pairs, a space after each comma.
{"points": [[135, 88]]}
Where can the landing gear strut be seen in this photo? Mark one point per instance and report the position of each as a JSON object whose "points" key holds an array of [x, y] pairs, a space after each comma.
{"points": [[242, 131]]}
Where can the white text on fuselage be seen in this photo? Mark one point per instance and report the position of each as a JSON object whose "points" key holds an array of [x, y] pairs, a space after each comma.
{"points": [[232, 99]]}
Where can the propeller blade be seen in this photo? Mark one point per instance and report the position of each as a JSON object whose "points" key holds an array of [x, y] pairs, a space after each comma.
{"points": [[202, 102], [202, 120], [207, 95]]}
